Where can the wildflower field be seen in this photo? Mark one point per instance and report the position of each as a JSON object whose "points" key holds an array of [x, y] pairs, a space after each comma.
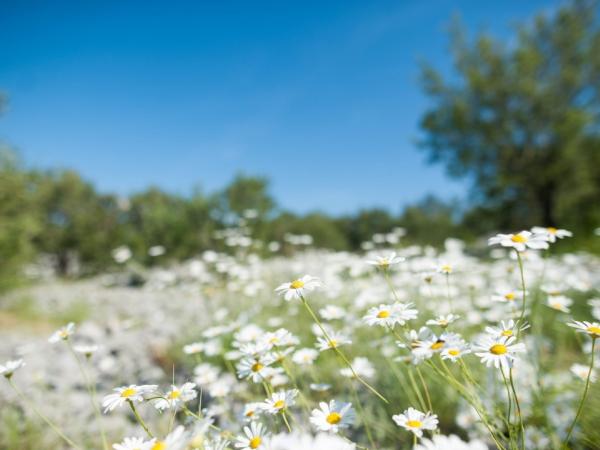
{"points": [[398, 347]]}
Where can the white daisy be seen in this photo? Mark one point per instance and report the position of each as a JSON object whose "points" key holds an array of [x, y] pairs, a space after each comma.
{"points": [[362, 367], [335, 340], [279, 401], [384, 262], [305, 356], [134, 443], [9, 367], [62, 334], [86, 350], [592, 329], [255, 437], [498, 352], [252, 411], [332, 416], [441, 442], [298, 288], [582, 371], [506, 329], [332, 312], [176, 440], [508, 296], [551, 233], [443, 321], [416, 421], [132, 393], [520, 241], [255, 368], [559, 303], [455, 350], [177, 396], [390, 315]]}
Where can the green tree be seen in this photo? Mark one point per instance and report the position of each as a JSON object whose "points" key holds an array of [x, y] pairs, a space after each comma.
{"points": [[522, 120]]}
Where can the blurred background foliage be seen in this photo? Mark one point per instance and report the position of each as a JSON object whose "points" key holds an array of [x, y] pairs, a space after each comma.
{"points": [[521, 121]]}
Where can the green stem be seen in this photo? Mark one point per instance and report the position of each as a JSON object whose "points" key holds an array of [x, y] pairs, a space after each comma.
{"points": [[41, 416], [363, 416], [583, 397], [339, 352], [139, 419], [521, 270], [92, 391], [424, 388], [514, 391]]}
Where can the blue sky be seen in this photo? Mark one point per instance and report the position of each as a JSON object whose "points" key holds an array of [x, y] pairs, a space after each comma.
{"points": [[321, 97]]}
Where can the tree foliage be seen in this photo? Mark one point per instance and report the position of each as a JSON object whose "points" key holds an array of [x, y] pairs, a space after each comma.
{"points": [[522, 120]]}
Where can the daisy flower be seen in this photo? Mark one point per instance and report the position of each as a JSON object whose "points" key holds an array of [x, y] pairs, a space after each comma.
{"points": [[176, 440], [390, 315], [177, 396], [279, 401], [498, 352], [134, 443], [520, 241], [123, 394], [9, 367], [455, 350], [416, 421], [255, 437], [444, 268], [193, 348], [62, 334], [86, 350], [384, 262], [581, 371], [332, 416], [332, 312], [298, 287], [252, 410], [362, 367], [592, 329], [441, 442], [443, 321], [305, 356], [559, 303], [507, 296], [551, 233], [254, 368], [506, 329], [335, 340]]}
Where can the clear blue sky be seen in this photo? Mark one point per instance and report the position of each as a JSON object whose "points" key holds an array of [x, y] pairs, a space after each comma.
{"points": [[321, 97]]}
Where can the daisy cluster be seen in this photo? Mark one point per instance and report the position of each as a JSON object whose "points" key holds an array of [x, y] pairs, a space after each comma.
{"points": [[384, 350]]}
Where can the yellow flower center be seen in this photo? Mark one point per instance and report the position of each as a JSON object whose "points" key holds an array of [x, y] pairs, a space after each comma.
{"points": [[384, 262], [437, 345], [257, 367], [510, 296], [507, 333], [160, 445], [414, 423], [255, 442], [333, 343], [446, 268], [334, 418], [174, 394], [296, 284], [128, 392], [250, 413], [552, 230], [518, 238], [384, 314], [453, 352], [498, 349], [63, 334], [594, 330], [279, 404]]}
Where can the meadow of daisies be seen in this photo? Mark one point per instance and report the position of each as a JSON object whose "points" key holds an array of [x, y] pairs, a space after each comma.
{"points": [[399, 347]]}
